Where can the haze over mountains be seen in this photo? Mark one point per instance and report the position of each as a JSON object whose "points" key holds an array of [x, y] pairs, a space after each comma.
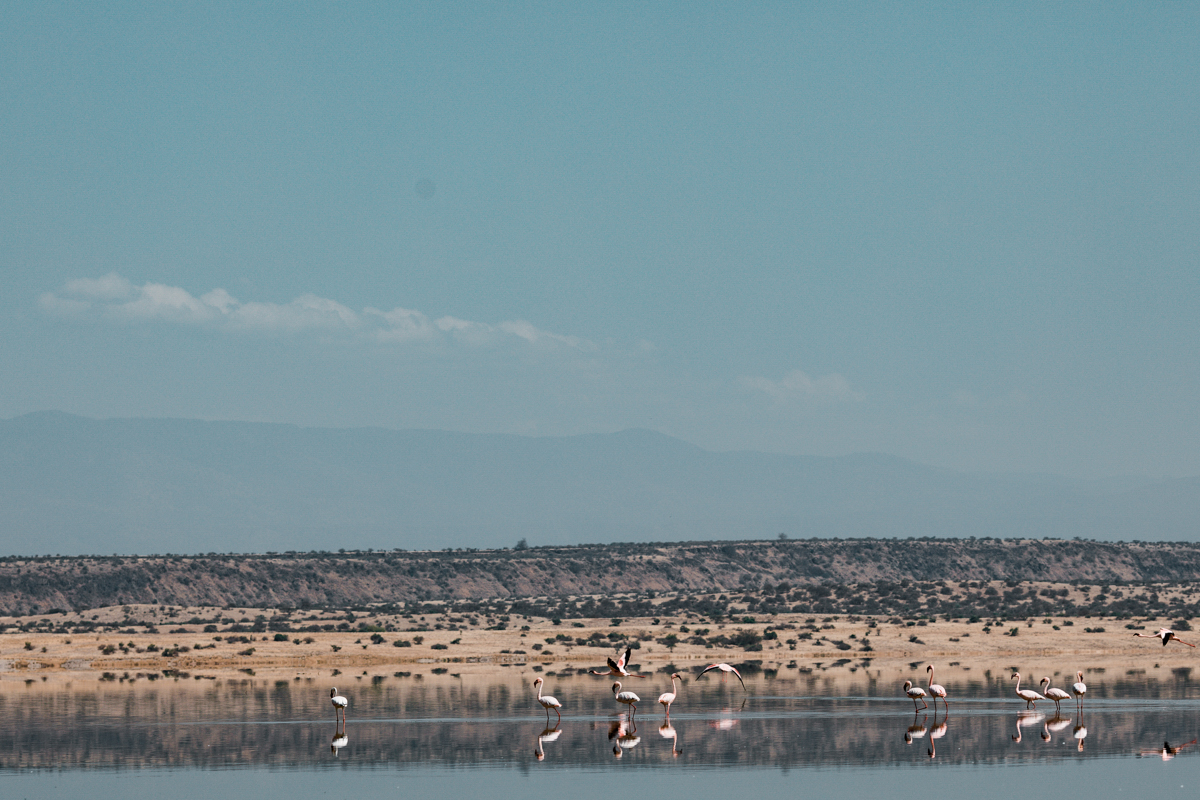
{"points": [[73, 485]]}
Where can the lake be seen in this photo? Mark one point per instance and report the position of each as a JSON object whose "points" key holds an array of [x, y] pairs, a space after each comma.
{"points": [[822, 733]]}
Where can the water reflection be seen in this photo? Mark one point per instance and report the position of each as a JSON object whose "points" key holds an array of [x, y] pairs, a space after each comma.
{"points": [[470, 722]]}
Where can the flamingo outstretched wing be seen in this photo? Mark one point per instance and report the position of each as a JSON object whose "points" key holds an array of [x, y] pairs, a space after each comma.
{"points": [[724, 668]]}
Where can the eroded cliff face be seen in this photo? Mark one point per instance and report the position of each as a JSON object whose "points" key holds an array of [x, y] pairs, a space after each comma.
{"points": [[325, 579]]}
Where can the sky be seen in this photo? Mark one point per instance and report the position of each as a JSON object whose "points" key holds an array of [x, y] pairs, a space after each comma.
{"points": [[962, 235]]}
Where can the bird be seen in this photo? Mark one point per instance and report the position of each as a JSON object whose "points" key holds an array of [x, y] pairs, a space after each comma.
{"points": [[1166, 634], [628, 698], [618, 669], [1079, 690], [666, 698], [1028, 695], [936, 690], [1057, 695], [723, 668], [338, 741], [916, 693], [339, 704], [547, 701]]}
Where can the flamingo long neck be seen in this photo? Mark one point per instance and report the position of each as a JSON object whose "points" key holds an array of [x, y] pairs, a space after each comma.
{"points": [[539, 691], [1018, 691], [931, 677], [674, 688]]}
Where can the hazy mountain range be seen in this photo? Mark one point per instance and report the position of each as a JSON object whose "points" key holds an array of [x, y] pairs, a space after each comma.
{"points": [[74, 485]]}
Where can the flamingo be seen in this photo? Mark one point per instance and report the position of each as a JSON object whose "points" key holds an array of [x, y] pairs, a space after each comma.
{"points": [[916, 693], [1079, 690], [1057, 695], [547, 702], [936, 690], [1028, 695], [617, 667], [628, 698], [725, 668], [339, 704], [666, 698], [1166, 634]]}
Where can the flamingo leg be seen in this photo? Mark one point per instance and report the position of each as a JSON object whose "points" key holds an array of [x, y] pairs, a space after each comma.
{"points": [[556, 711]]}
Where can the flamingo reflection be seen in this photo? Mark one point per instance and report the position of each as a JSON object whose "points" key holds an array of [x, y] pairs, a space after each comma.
{"points": [[1080, 734], [1027, 718], [547, 735], [338, 741], [727, 720], [1166, 751], [936, 732], [916, 730], [667, 731], [1054, 725], [622, 737]]}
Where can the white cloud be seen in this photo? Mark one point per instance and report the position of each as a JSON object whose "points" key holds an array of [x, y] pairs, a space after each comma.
{"points": [[114, 297], [798, 386]]}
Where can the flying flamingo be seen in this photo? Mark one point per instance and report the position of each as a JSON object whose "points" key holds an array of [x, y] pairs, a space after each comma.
{"points": [[339, 704], [936, 690], [1079, 690], [1166, 634], [1028, 695], [617, 667], [725, 668], [628, 698], [916, 693], [1057, 695], [547, 702], [666, 698]]}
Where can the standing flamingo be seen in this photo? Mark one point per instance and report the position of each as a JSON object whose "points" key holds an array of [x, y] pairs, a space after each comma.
{"points": [[936, 690], [1079, 690], [339, 704], [725, 668], [666, 698], [547, 702], [617, 668], [1166, 634], [628, 698], [1057, 695], [1028, 695], [916, 693]]}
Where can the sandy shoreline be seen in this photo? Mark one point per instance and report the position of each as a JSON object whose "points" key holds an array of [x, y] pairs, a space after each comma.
{"points": [[188, 649]]}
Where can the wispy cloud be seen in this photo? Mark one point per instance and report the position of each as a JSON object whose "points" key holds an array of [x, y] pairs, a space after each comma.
{"points": [[113, 297], [799, 387]]}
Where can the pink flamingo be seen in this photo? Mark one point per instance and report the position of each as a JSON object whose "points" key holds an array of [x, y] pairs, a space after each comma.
{"points": [[617, 667], [547, 702], [725, 668], [936, 690], [666, 698], [1166, 634], [1028, 695], [627, 698], [916, 693], [1055, 694]]}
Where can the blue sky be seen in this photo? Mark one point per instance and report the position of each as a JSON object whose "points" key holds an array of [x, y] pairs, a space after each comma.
{"points": [[963, 236]]}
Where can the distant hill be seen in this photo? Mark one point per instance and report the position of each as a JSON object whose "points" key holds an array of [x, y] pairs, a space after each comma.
{"points": [[891, 576], [73, 485]]}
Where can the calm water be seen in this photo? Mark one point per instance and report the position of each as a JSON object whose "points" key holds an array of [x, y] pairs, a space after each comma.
{"points": [[443, 736]]}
